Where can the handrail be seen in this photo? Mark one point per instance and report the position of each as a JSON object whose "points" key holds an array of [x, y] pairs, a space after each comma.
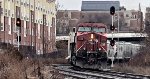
{"points": [[81, 47]]}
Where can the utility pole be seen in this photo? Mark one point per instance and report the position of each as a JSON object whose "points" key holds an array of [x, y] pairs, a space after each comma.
{"points": [[43, 32], [0, 22], [31, 30], [35, 36], [35, 27], [4, 20]]}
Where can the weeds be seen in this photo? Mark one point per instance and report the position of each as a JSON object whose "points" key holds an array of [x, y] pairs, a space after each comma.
{"points": [[14, 66]]}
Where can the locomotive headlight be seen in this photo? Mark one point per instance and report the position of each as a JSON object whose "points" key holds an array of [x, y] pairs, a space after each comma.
{"points": [[84, 48], [100, 49], [92, 36]]}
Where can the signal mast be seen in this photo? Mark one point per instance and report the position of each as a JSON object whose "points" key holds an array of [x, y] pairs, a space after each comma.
{"points": [[18, 24], [112, 28]]}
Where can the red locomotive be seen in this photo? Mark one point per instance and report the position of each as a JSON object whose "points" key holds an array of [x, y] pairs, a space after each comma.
{"points": [[88, 45]]}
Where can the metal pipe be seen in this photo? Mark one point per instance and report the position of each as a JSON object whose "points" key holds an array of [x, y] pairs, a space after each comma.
{"points": [[112, 25], [112, 21], [118, 32], [118, 25], [112, 65]]}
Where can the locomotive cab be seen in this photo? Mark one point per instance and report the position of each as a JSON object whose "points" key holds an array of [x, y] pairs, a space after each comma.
{"points": [[90, 44]]}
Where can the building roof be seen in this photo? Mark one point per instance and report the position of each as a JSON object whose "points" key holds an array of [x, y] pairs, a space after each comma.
{"points": [[99, 5]]}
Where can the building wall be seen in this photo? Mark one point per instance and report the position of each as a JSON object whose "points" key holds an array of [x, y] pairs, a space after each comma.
{"points": [[147, 14], [31, 14]]}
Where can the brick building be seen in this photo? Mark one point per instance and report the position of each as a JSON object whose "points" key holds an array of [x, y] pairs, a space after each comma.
{"points": [[37, 23], [129, 20], [66, 19], [98, 11]]}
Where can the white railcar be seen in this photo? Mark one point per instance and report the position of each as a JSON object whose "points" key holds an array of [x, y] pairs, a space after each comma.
{"points": [[124, 50]]}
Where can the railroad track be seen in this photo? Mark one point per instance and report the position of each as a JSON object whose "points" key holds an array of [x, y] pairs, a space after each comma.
{"points": [[79, 73]]}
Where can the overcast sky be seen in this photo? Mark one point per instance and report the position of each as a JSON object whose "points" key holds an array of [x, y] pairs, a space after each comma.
{"points": [[129, 4]]}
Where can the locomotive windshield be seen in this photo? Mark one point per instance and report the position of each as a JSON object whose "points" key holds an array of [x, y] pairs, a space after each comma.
{"points": [[90, 29], [84, 29], [95, 29]]}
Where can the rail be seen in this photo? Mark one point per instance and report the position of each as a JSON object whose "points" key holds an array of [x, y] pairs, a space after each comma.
{"points": [[96, 74]]}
